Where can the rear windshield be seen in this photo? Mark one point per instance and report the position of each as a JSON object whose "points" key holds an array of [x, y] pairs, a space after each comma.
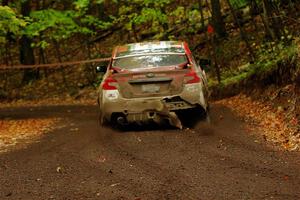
{"points": [[149, 61]]}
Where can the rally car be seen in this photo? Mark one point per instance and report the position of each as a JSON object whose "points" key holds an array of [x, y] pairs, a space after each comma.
{"points": [[152, 82]]}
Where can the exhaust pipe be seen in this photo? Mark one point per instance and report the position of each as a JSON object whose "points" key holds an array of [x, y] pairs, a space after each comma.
{"points": [[121, 120]]}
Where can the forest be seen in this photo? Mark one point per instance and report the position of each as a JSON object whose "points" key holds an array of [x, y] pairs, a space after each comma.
{"points": [[253, 45], [76, 125], [248, 37]]}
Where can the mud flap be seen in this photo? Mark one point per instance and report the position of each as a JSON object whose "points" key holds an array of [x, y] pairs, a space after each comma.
{"points": [[170, 117], [207, 118], [174, 120]]}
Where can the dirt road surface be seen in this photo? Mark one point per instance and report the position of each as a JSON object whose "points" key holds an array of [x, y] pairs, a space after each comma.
{"points": [[85, 161]]}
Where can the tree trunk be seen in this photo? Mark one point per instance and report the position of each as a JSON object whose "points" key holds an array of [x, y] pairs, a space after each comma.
{"points": [[26, 51], [242, 32], [90, 74], [217, 67], [254, 11], [266, 17], [217, 18], [59, 58], [202, 19]]}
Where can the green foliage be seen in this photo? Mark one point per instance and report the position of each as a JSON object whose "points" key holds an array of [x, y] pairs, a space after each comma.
{"points": [[140, 16], [178, 14], [51, 24], [81, 5], [94, 22], [54, 24], [10, 23], [239, 3], [154, 3], [160, 18], [269, 55], [151, 15]]}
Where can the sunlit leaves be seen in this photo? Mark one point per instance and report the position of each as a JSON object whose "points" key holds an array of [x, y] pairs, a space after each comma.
{"points": [[150, 14], [144, 16], [9, 22], [239, 3], [56, 24], [90, 20], [155, 3], [81, 5], [178, 14]]}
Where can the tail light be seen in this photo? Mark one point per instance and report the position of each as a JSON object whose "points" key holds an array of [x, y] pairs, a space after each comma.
{"points": [[192, 77], [109, 84]]}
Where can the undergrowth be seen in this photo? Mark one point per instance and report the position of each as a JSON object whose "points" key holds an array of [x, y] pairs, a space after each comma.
{"points": [[268, 58]]}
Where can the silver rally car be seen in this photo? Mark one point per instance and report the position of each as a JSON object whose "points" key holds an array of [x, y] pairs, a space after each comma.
{"points": [[152, 81]]}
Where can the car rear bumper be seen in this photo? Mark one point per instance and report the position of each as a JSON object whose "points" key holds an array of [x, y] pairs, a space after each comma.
{"points": [[151, 108]]}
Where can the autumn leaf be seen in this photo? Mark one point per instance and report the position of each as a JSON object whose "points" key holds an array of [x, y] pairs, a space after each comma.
{"points": [[266, 119]]}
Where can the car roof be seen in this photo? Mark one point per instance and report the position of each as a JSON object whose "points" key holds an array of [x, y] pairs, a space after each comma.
{"points": [[149, 47]]}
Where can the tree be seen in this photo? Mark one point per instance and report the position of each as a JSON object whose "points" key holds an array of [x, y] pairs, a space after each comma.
{"points": [[26, 51], [272, 18], [217, 18], [242, 31]]}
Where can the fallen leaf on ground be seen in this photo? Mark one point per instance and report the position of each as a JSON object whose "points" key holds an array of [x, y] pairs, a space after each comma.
{"points": [[261, 116], [14, 131]]}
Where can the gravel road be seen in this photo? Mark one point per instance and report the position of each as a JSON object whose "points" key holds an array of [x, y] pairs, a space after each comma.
{"points": [[84, 161]]}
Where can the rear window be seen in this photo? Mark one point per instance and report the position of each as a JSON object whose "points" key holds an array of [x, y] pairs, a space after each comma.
{"points": [[125, 51], [149, 61]]}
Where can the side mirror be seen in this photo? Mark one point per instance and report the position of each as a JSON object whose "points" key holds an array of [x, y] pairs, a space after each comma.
{"points": [[101, 69], [205, 64]]}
